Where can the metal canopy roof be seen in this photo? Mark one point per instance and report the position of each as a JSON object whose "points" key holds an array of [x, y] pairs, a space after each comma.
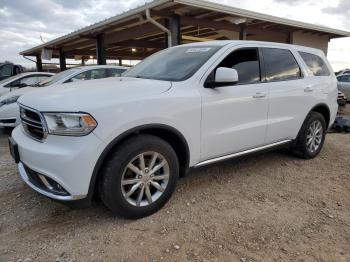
{"points": [[199, 20]]}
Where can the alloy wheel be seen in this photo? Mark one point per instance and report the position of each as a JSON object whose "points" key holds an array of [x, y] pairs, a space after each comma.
{"points": [[145, 178], [314, 136]]}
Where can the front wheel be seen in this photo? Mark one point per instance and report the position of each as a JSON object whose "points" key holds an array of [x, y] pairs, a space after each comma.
{"points": [[139, 177], [311, 137]]}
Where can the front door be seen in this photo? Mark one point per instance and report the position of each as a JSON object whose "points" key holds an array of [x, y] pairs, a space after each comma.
{"points": [[234, 118]]}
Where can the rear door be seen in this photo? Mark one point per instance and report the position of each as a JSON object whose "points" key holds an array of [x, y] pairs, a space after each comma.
{"points": [[289, 94]]}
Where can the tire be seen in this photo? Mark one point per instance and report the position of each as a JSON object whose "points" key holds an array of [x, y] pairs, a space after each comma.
{"points": [[117, 169], [302, 147]]}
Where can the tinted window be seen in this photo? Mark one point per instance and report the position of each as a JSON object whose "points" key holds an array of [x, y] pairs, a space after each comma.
{"points": [[315, 64], [6, 70], [280, 65], [173, 64], [246, 62], [345, 78]]}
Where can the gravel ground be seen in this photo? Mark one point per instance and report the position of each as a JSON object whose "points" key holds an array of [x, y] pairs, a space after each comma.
{"points": [[267, 207]]}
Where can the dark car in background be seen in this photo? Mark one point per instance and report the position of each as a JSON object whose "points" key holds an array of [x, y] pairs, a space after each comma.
{"points": [[9, 69]]}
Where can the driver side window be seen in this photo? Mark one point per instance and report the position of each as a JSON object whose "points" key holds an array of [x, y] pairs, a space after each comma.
{"points": [[345, 78], [246, 62]]}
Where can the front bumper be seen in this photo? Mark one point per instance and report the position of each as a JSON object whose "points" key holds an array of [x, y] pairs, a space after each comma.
{"points": [[67, 161], [44, 190], [9, 115]]}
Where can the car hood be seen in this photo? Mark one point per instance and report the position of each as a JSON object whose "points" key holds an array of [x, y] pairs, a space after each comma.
{"points": [[18, 92], [87, 95]]}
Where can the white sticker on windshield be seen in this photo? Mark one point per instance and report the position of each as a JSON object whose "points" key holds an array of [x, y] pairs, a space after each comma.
{"points": [[198, 50]]}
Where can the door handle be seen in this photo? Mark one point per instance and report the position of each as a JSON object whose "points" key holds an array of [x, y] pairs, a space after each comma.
{"points": [[308, 89], [259, 95]]}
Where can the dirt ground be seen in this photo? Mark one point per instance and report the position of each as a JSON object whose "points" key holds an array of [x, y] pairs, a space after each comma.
{"points": [[267, 207]]}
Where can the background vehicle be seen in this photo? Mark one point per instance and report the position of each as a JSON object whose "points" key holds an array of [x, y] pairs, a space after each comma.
{"points": [[344, 72], [84, 73], [22, 80], [344, 84], [187, 106], [9, 69], [9, 111], [342, 99]]}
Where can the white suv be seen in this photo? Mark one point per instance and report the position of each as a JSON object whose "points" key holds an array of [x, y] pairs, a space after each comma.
{"points": [[128, 140]]}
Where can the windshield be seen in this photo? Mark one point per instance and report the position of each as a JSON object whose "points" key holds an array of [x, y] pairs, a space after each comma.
{"points": [[174, 64], [58, 77]]}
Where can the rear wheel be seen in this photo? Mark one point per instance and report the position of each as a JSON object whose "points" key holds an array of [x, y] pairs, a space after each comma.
{"points": [[140, 176], [311, 137]]}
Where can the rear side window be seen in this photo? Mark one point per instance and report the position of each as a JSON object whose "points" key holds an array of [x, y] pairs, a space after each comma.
{"points": [[280, 65], [246, 62], [344, 78], [315, 64]]}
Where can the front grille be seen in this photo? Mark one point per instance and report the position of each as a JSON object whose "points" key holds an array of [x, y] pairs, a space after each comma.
{"points": [[32, 123]]}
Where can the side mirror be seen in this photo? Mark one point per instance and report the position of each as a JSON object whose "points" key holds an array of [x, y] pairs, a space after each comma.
{"points": [[223, 77]]}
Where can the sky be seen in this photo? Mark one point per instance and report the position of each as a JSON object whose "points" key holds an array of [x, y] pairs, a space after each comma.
{"points": [[26, 23]]}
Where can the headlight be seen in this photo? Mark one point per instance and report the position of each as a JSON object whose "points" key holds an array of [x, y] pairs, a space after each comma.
{"points": [[69, 124], [10, 100]]}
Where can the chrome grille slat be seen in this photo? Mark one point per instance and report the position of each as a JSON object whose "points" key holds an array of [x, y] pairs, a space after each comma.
{"points": [[24, 118], [30, 123]]}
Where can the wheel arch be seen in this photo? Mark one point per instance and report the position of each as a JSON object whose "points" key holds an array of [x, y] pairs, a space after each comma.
{"points": [[324, 110], [171, 135]]}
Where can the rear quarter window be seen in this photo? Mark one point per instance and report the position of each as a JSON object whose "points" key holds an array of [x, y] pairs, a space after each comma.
{"points": [[315, 64]]}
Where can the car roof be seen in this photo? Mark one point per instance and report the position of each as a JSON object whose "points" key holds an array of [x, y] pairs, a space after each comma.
{"points": [[89, 67], [257, 43], [34, 73]]}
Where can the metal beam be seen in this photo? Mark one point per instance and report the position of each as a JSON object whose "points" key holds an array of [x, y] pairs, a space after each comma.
{"points": [[222, 25], [139, 43], [207, 23], [114, 54], [39, 63], [100, 50], [62, 61], [82, 44], [130, 33]]}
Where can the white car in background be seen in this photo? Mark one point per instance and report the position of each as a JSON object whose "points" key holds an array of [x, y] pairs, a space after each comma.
{"points": [[82, 73], [9, 111], [22, 80]]}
